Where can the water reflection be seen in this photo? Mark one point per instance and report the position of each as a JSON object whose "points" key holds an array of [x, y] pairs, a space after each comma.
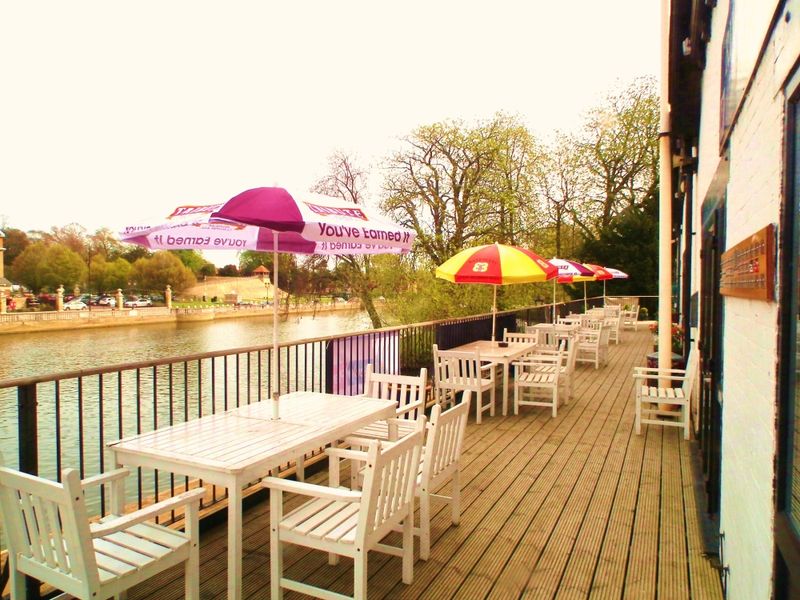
{"points": [[43, 353]]}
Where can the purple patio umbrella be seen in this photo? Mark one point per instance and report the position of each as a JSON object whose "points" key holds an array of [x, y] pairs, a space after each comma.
{"points": [[570, 271], [270, 218]]}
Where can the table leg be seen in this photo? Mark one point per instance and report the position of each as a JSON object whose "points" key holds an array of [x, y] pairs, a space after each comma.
{"points": [[234, 541], [117, 500], [505, 387]]}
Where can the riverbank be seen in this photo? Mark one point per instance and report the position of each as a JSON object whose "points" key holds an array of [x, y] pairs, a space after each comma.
{"points": [[32, 322]]}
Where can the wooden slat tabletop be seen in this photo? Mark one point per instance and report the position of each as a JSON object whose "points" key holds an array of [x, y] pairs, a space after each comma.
{"points": [[573, 507]]}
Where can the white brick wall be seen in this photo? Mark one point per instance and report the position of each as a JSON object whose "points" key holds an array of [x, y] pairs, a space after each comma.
{"points": [[750, 327]]}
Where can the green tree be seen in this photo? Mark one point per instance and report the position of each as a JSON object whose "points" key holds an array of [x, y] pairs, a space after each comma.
{"points": [[48, 265], [195, 261], [228, 271], [107, 276], [561, 185], [15, 242], [162, 269], [629, 243], [619, 145], [133, 252], [458, 186]]}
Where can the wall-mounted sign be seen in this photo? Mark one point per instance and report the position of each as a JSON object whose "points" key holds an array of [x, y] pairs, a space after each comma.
{"points": [[748, 269]]}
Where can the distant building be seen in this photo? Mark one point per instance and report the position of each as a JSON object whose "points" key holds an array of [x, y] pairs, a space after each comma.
{"points": [[261, 272], [734, 91]]}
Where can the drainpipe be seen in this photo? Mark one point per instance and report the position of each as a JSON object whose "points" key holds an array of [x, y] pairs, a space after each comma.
{"points": [[665, 205], [688, 226]]}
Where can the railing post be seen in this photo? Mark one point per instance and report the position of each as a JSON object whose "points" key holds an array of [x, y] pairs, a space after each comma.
{"points": [[28, 438]]}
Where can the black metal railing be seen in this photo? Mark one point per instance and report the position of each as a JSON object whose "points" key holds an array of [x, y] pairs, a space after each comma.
{"points": [[67, 419]]}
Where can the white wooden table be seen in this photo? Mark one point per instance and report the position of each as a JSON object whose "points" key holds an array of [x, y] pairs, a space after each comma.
{"points": [[234, 448], [492, 353]]}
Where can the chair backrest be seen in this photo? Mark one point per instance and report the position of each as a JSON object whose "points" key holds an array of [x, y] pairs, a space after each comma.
{"points": [[524, 337], [592, 323], [445, 439], [47, 528], [589, 337], [390, 480], [547, 337], [605, 333], [613, 323], [571, 353], [406, 390], [454, 368]]}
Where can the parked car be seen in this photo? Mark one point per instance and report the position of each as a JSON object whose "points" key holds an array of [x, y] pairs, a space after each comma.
{"points": [[106, 301], [137, 303], [75, 305]]}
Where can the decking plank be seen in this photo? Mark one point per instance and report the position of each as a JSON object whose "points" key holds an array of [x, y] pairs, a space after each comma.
{"points": [[598, 407], [673, 573], [704, 580]]}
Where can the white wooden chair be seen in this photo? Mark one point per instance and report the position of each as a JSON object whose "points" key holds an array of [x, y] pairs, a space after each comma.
{"points": [[441, 462], [536, 380], [409, 393], [50, 537], [346, 522], [461, 371], [523, 337], [614, 326], [588, 344], [665, 406], [630, 318], [566, 375]]}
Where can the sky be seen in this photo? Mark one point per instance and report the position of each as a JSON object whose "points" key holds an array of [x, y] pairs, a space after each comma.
{"points": [[113, 113]]}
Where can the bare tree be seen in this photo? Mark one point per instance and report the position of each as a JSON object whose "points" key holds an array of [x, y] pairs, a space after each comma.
{"points": [[346, 180]]}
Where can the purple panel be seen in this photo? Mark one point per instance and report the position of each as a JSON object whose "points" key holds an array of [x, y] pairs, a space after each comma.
{"points": [[269, 207], [288, 241]]}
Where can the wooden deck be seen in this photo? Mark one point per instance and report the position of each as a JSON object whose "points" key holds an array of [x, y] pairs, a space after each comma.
{"points": [[572, 507]]}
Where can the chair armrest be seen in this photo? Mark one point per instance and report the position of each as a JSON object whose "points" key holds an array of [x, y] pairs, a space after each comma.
{"points": [[310, 489], [411, 406], [537, 359], [668, 374], [655, 371], [146, 513], [104, 478], [347, 453], [489, 368]]}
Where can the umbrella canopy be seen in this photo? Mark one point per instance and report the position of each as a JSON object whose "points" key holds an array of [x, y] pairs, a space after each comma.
{"points": [[326, 225], [600, 274], [496, 264], [569, 271], [191, 227], [616, 273], [273, 219]]}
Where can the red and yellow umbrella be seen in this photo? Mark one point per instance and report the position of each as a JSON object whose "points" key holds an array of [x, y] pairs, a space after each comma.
{"points": [[496, 264]]}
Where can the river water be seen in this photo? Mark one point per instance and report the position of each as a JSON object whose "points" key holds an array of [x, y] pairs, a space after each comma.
{"points": [[43, 353], [47, 353]]}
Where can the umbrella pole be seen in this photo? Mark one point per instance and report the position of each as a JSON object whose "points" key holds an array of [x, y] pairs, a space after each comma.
{"points": [[604, 292], [275, 374], [554, 300], [585, 305], [494, 312]]}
